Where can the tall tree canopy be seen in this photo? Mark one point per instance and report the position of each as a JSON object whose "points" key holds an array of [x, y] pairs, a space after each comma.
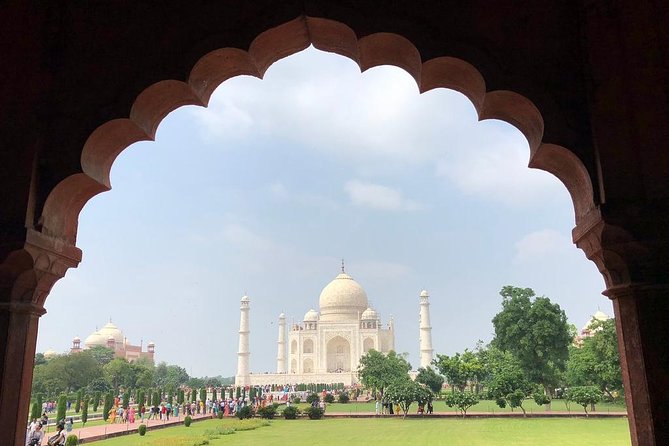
{"points": [[597, 362], [430, 378], [535, 331], [377, 370]]}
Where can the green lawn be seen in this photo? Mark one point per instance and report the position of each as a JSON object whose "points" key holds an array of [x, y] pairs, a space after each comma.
{"points": [[395, 431], [484, 406]]}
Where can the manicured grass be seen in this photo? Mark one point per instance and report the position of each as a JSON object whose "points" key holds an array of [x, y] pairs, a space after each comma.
{"points": [[483, 406], [395, 431]]}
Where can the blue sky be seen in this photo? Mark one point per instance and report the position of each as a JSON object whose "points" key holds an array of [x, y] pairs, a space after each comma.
{"points": [[265, 192]]}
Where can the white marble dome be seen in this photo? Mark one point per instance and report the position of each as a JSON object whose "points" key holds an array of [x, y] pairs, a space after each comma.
{"points": [[111, 331], [94, 339], [342, 299], [311, 316]]}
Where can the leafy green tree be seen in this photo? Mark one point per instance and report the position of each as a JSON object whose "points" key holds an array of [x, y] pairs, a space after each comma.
{"points": [[144, 376], [462, 400], [377, 370], [597, 361], [98, 385], [84, 409], [61, 407], [507, 383], [534, 331], [203, 394], [454, 369], [195, 383], [39, 360], [213, 394], [180, 396], [140, 398], [126, 399], [101, 354], [431, 379], [405, 391], [584, 395], [118, 372]]}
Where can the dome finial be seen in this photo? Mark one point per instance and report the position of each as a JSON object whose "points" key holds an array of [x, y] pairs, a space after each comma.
{"points": [[342, 266]]}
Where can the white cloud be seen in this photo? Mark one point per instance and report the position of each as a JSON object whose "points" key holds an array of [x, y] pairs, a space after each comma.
{"points": [[280, 192], [377, 197], [542, 245]]}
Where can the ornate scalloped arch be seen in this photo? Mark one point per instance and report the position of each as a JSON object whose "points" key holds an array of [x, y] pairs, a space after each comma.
{"points": [[63, 205]]}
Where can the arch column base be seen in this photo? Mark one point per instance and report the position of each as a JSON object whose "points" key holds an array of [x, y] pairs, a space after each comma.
{"points": [[26, 277], [641, 323]]}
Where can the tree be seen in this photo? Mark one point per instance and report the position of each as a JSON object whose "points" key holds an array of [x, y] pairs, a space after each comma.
{"points": [[455, 369], [213, 394], [180, 396], [203, 394], [404, 391], [96, 401], [61, 408], [35, 410], [109, 400], [377, 370], [77, 403], [597, 362], [118, 372], [431, 379], [84, 409], [462, 400], [101, 354], [126, 399], [584, 395], [534, 331], [507, 383], [156, 398]]}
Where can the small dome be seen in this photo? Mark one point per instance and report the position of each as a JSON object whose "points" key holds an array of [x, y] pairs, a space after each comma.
{"points": [[246, 298], [342, 299], [151, 344], [50, 353], [424, 294], [76, 339], [282, 316], [311, 316], [600, 316], [369, 314]]}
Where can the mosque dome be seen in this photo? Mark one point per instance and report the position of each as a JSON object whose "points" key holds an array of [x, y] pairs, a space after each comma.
{"points": [[424, 294], [282, 316], [311, 316], [342, 299], [246, 298], [369, 314], [76, 339], [111, 331], [95, 338], [50, 353]]}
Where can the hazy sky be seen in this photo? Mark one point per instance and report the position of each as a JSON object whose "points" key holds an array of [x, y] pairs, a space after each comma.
{"points": [[270, 187]]}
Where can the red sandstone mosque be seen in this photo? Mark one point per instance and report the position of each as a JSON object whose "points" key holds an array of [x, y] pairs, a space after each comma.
{"points": [[112, 337]]}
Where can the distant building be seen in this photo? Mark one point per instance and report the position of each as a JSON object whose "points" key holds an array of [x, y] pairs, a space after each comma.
{"points": [[588, 329], [112, 337]]}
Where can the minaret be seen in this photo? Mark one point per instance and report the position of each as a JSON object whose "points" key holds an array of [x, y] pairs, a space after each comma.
{"points": [[281, 354], [426, 351], [243, 379]]}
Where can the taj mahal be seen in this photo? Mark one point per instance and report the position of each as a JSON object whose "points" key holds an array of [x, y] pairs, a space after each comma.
{"points": [[327, 345]]}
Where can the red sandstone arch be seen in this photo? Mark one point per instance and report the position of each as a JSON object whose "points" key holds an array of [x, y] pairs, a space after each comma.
{"points": [[64, 203]]}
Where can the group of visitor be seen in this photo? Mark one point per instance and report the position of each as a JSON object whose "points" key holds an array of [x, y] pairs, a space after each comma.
{"points": [[35, 434]]}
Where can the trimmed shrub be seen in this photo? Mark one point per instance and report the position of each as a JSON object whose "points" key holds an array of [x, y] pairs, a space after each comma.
{"points": [[291, 412], [245, 412], [220, 415], [296, 400], [71, 440], [62, 407], [126, 399], [36, 410], [314, 413], [329, 398], [312, 397], [109, 400], [141, 430], [187, 421], [203, 394], [77, 404], [96, 401], [268, 412], [84, 410], [344, 398]]}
